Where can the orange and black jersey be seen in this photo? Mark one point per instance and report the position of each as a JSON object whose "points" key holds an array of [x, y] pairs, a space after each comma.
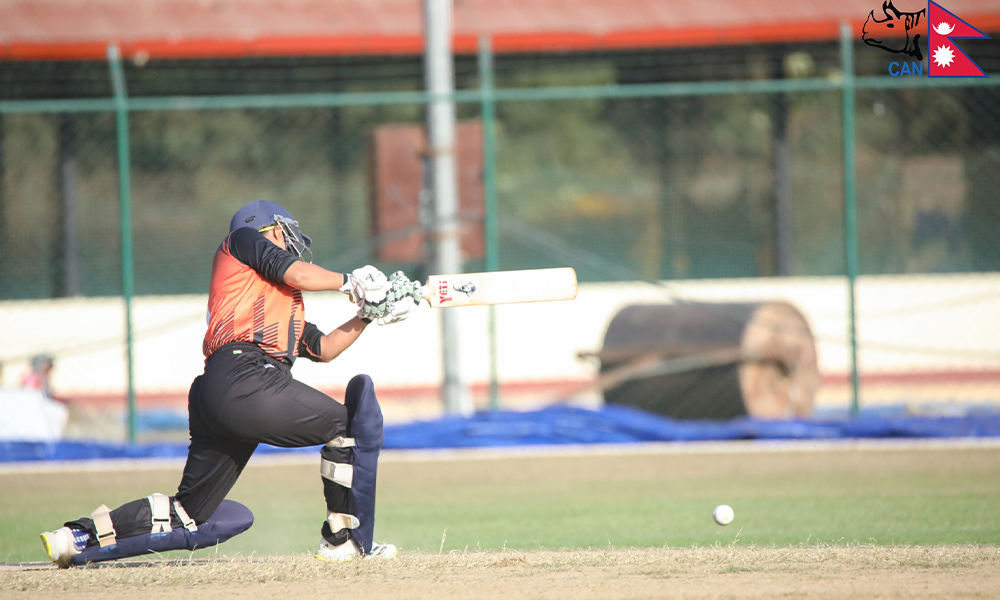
{"points": [[248, 300]]}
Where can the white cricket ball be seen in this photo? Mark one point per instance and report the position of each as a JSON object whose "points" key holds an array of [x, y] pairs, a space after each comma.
{"points": [[723, 514]]}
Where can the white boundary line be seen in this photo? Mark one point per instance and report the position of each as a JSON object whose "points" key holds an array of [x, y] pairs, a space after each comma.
{"points": [[506, 452]]}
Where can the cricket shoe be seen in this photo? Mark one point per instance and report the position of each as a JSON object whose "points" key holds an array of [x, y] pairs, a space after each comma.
{"points": [[382, 551], [339, 553], [60, 546], [349, 551]]}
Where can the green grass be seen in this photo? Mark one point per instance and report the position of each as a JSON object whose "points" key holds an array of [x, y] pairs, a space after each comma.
{"points": [[883, 497]]}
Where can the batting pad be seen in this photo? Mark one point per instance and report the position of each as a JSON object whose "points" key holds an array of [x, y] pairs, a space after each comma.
{"points": [[230, 519], [365, 426]]}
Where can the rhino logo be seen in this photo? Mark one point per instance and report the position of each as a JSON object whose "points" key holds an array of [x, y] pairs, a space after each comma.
{"points": [[468, 288], [894, 33]]}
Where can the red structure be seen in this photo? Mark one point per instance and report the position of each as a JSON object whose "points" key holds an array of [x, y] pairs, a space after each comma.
{"points": [[82, 29], [397, 156]]}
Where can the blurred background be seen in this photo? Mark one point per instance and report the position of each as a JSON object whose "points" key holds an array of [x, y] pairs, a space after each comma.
{"points": [[763, 219]]}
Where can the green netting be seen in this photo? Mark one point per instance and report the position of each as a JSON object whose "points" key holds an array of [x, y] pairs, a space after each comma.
{"points": [[653, 164]]}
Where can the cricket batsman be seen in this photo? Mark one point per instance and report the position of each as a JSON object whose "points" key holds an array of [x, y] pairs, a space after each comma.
{"points": [[247, 396]]}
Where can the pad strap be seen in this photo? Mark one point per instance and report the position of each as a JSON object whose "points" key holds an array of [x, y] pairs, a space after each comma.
{"points": [[340, 521], [159, 509], [105, 529], [188, 522], [341, 442], [341, 473]]}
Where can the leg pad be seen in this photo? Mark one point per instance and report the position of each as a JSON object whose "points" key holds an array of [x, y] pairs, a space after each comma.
{"points": [[365, 426], [230, 519]]}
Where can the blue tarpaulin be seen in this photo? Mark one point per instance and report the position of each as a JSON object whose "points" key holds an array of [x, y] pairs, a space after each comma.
{"points": [[562, 425], [619, 424]]}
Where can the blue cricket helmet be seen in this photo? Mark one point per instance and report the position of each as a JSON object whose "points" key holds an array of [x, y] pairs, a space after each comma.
{"points": [[264, 213]]}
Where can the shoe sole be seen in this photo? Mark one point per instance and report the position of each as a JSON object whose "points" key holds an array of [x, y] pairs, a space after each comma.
{"points": [[369, 557], [48, 546], [48, 549], [325, 559]]}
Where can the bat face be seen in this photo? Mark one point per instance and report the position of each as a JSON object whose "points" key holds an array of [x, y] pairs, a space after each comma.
{"points": [[454, 292], [501, 287], [447, 290]]}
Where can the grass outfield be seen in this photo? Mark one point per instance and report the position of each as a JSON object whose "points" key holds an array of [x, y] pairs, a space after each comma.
{"points": [[881, 495]]}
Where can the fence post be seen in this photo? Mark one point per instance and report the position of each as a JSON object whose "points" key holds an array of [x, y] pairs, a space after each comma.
{"points": [[439, 79], [850, 202], [125, 199], [492, 246]]}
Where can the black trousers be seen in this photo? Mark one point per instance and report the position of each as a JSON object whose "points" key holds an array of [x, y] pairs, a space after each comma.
{"points": [[245, 397]]}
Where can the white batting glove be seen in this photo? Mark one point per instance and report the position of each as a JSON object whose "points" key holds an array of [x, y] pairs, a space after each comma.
{"points": [[365, 282], [404, 299]]}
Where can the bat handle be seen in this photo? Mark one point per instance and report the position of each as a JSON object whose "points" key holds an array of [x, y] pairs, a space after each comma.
{"points": [[425, 293]]}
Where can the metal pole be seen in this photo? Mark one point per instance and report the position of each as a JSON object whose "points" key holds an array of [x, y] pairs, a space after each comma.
{"points": [[782, 260], [124, 196], [68, 282], [439, 80], [492, 243], [4, 227], [850, 203]]}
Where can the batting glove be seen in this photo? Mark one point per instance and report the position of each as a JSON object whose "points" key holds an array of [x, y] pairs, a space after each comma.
{"points": [[365, 282], [404, 298]]}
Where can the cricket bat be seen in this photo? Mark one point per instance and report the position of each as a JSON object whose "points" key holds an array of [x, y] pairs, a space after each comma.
{"points": [[500, 287]]}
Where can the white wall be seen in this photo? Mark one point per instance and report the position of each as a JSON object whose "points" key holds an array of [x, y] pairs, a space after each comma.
{"points": [[906, 324]]}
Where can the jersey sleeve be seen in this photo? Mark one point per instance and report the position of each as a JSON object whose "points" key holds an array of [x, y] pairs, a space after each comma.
{"points": [[311, 342], [251, 248]]}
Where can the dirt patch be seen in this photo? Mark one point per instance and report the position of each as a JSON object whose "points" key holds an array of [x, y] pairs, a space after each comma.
{"points": [[821, 572]]}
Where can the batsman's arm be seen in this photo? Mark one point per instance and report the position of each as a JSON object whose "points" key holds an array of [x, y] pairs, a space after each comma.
{"points": [[313, 278], [272, 262], [320, 347], [341, 338]]}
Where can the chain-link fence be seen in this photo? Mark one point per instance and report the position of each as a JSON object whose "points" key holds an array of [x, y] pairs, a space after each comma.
{"points": [[656, 165], [681, 182]]}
